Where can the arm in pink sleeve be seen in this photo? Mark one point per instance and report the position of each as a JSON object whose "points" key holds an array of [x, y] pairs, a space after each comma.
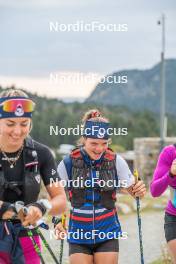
{"points": [[161, 178]]}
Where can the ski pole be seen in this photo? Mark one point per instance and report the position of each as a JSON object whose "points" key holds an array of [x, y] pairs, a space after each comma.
{"points": [[47, 246], [40, 223], [136, 175], [62, 241], [22, 211], [36, 247]]}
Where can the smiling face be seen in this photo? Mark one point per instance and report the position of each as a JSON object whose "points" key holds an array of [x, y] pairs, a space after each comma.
{"points": [[95, 147], [13, 131]]}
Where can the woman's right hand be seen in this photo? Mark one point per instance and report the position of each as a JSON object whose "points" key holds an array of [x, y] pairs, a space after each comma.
{"points": [[60, 231], [173, 168], [10, 214]]}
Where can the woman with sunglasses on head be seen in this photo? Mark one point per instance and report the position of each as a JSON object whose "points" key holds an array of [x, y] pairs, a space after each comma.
{"points": [[93, 173], [165, 177], [24, 163]]}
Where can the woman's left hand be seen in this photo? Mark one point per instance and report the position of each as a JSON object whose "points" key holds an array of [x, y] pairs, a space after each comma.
{"points": [[34, 214], [139, 189]]}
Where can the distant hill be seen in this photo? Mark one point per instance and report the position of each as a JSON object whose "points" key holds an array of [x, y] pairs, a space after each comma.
{"points": [[141, 92], [61, 116]]}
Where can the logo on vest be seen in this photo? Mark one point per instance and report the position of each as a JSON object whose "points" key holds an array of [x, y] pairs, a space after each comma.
{"points": [[37, 177], [97, 175], [19, 110], [53, 172]]}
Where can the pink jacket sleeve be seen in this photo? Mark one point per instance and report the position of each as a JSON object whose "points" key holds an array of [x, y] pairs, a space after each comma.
{"points": [[161, 178]]}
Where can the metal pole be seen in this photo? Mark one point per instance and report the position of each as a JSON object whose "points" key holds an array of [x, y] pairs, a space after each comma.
{"points": [[162, 91]]}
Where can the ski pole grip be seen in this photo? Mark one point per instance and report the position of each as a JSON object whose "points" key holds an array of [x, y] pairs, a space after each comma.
{"points": [[136, 175]]}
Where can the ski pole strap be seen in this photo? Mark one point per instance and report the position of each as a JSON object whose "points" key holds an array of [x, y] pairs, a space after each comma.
{"points": [[57, 220]]}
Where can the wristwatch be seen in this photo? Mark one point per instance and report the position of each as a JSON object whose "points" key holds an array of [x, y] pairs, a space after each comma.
{"points": [[43, 204]]}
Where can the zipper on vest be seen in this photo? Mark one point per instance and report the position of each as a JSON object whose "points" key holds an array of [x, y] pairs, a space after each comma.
{"points": [[115, 218], [93, 202]]}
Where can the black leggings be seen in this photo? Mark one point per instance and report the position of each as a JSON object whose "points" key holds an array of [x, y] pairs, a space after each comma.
{"points": [[170, 227], [106, 246]]}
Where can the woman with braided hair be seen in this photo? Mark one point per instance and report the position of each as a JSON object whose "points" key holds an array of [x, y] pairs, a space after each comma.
{"points": [[93, 173], [24, 163]]}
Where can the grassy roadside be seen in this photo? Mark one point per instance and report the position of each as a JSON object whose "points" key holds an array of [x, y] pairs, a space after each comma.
{"points": [[147, 204], [160, 261]]}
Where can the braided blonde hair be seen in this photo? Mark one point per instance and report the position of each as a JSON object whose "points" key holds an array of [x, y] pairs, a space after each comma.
{"points": [[12, 92]]}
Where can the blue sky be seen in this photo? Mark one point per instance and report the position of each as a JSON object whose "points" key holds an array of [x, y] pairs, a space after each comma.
{"points": [[30, 52]]}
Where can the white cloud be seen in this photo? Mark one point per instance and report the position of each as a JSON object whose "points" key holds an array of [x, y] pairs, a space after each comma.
{"points": [[29, 49], [44, 3]]}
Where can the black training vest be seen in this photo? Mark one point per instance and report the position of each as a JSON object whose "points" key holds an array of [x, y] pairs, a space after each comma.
{"points": [[31, 178], [106, 170]]}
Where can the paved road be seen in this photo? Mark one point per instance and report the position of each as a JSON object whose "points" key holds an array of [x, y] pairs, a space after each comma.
{"points": [[153, 238]]}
